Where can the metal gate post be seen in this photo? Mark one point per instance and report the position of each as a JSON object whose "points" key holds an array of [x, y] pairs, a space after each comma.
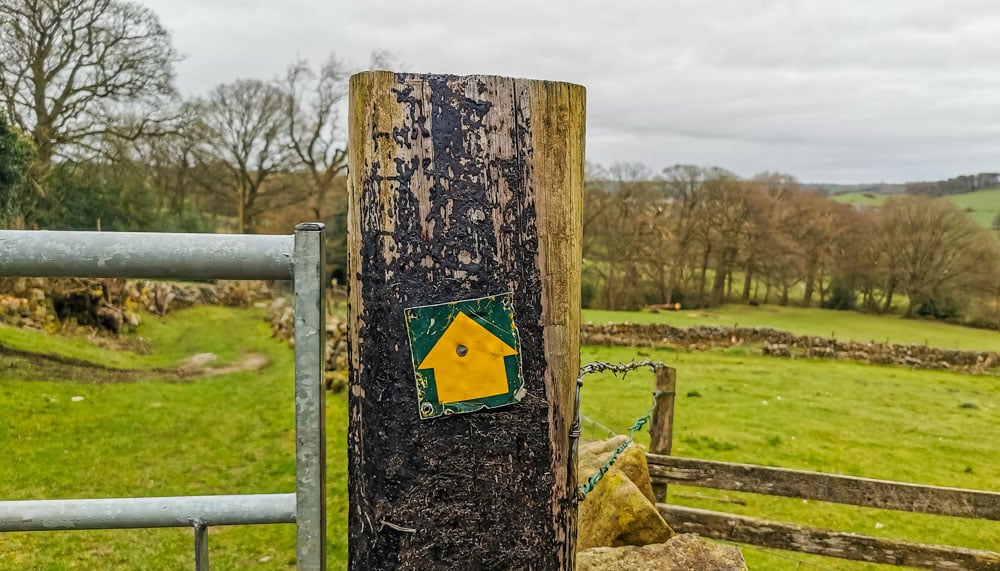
{"points": [[200, 546], [310, 398]]}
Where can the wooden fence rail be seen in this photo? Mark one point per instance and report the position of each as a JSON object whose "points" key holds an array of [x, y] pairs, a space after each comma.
{"points": [[866, 492], [802, 539]]}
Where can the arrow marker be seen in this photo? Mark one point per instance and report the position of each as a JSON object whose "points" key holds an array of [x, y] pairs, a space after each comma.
{"points": [[468, 362]]}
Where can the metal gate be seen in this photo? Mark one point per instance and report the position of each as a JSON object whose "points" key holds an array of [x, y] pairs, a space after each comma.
{"points": [[297, 257]]}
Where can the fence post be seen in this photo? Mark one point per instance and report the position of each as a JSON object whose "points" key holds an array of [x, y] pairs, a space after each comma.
{"points": [[464, 254], [661, 429]]}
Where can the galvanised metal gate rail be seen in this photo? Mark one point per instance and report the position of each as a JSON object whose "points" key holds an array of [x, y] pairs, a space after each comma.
{"points": [[198, 256]]}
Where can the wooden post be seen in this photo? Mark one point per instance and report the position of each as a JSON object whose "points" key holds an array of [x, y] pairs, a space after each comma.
{"points": [[465, 225], [661, 429]]}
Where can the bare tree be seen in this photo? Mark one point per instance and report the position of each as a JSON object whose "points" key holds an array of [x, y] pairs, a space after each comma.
{"points": [[683, 185], [619, 231], [179, 170], [821, 237], [69, 68], [246, 133], [313, 122], [316, 98], [932, 249], [734, 203]]}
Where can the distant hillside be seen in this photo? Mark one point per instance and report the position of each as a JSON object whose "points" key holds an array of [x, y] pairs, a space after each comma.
{"points": [[982, 205], [957, 185], [861, 198], [865, 188]]}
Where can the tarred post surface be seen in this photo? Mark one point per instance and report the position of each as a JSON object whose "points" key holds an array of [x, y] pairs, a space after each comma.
{"points": [[465, 224]]}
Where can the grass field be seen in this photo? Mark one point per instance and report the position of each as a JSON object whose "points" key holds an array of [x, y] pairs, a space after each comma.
{"points": [[982, 205], [847, 325], [834, 417], [220, 435], [864, 199], [234, 434]]}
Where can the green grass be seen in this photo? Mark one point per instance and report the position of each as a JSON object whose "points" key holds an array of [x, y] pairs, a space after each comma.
{"points": [[982, 205], [865, 199], [847, 325], [159, 342], [834, 417], [65, 346], [221, 435], [235, 434]]}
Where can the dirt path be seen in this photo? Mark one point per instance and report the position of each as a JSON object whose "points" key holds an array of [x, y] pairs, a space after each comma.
{"points": [[23, 365], [197, 366]]}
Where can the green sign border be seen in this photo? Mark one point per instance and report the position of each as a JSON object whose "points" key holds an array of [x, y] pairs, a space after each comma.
{"points": [[426, 324]]}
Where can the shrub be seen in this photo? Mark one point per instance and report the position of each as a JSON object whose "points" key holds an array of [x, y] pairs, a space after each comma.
{"points": [[16, 154], [588, 291], [946, 308], [842, 296]]}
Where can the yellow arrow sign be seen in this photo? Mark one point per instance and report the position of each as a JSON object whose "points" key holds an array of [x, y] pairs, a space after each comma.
{"points": [[468, 362], [466, 355]]}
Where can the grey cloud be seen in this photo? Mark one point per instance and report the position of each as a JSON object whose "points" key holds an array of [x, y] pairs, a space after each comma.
{"points": [[853, 90]]}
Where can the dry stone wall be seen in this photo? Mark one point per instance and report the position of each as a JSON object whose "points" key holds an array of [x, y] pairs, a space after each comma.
{"points": [[775, 343], [112, 305], [281, 315]]}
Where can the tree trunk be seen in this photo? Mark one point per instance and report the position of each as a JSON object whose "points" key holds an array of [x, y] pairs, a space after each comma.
{"points": [[463, 188], [888, 299], [241, 210], [672, 284], [718, 286], [823, 286], [675, 281], [747, 281], [662, 281], [44, 151], [609, 290], [704, 271], [810, 285]]}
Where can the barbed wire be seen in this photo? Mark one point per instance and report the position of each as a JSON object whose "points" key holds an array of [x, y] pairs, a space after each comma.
{"points": [[599, 475], [616, 369], [593, 422], [623, 369]]}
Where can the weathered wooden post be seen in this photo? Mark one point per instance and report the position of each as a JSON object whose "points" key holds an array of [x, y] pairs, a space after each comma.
{"points": [[661, 428], [465, 237]]}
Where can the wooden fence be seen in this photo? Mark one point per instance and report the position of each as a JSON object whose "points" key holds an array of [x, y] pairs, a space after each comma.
{"points": [[665, 469]]}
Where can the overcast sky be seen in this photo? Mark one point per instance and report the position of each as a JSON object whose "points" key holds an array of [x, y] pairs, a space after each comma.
{"points": [[829, 91]]}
